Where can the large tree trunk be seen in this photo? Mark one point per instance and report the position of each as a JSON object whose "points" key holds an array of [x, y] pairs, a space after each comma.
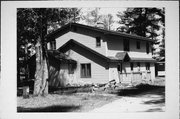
{"points": [[42, 72], [41, 75]]}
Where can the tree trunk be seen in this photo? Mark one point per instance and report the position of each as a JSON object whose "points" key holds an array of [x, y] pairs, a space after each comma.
{"points": [[41, 75]]}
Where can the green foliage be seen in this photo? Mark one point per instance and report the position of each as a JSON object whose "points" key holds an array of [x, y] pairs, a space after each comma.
{"points": [[92, 17], [65, 15], [25, 26], [141, 21], [144, 22], [34, 23], [162, 45]]}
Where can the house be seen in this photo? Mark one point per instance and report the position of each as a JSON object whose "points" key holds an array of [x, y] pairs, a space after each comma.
{"points": [[58, 69], [59, 64], [104, 55]]}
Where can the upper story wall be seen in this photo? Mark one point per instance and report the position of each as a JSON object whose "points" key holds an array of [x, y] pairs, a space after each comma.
{"points": [[115, 45], [134, 52], [83, 36], [110, 44]]}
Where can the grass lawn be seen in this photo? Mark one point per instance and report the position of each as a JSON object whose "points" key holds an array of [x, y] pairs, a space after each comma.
{"points": [[77, 102], [84, 102]]}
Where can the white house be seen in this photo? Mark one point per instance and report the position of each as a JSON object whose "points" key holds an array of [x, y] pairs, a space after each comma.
{"points": [[104, 55]]}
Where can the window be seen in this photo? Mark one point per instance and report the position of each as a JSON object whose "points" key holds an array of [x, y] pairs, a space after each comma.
{"points": [[147, 47], [85, 70], [70, 67], [138, 45], [98, 41], [147, 66], [53, 45], [132, 65], [126, 44]]}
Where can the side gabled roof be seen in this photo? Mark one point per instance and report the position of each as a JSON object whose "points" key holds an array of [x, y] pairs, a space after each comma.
{"points": [[68, 27], [120, 56], [60, 56], [71, 43], [143, 59], [124, 57]]}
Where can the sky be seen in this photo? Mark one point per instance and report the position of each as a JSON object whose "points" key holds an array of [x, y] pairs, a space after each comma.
{"points": [[104, 11]]}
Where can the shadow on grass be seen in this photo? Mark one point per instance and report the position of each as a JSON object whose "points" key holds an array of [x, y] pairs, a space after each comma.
{"points": [[54, 108], [70, 90], [160, 101], [156, 95], [142, 89], [155, 110]]}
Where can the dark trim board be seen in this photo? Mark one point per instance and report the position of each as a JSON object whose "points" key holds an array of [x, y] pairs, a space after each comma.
{"points": [[72, 26], [120, 57], [71, 43]]}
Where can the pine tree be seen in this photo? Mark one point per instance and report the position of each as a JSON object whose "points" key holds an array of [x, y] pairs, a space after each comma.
{"points": [[142, 21]]}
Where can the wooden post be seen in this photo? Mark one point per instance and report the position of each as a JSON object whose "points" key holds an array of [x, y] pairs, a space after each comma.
{"points": [[131, 77]]}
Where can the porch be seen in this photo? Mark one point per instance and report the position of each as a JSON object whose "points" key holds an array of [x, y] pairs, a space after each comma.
{"points": [[135, 77]]}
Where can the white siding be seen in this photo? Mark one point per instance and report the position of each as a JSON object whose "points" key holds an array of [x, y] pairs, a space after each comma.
{"points": [[135, 68], [63, 75], [110, 46], [139, 53], [152, 69], [115, 45], [113, 72], [126, 67], [87, 40], [99, 74], [60, 77]]}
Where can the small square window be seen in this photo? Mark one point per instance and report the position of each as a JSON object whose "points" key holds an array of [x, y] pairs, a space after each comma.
{"points": [[147, 47], [132, 65], [71, 69], [126, 44], [74, 29], [98, 41], [53, 45], [138, 45]]}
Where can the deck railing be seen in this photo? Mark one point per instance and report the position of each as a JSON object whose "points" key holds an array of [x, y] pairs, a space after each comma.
{"points": [[135, 76]]}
